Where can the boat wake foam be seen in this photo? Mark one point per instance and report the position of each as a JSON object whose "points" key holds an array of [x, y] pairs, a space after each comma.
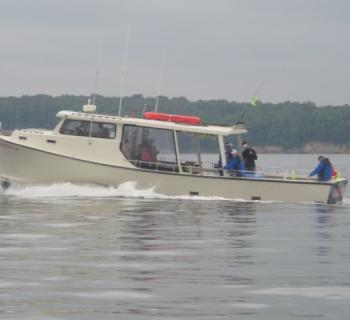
{"points": [[124, 190], [70, 190]]}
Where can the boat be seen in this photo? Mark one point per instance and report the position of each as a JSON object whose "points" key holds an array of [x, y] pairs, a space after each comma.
{"points": [[163, 151]]}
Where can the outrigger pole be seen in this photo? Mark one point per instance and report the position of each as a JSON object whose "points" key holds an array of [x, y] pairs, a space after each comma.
{"points": [[123, 71]]}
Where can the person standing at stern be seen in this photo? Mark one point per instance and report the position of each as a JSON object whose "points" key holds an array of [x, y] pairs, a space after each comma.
{"points": [[249, 156]]}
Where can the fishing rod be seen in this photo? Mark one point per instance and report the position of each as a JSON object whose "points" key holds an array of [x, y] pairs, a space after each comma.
{"points": [[252, 102]]}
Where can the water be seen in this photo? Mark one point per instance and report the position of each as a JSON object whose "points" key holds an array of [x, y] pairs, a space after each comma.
{"points": [[90, 252]]}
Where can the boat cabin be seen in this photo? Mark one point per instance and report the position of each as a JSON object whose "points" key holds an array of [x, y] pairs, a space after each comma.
{"points": [[158, 141]]}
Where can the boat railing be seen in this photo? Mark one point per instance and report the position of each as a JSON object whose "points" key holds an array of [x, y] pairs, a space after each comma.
{"points": [[37, 131], [282, 173], [5, 132], [211, 169]]}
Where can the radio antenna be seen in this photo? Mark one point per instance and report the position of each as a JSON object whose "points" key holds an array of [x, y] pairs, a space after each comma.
{"points": [[96, 76], [159, 83], [123, 71], [95, 89]]}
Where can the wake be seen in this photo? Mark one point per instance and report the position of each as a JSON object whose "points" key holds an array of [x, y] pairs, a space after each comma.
{"points": [[124, 190], [70, 190]]}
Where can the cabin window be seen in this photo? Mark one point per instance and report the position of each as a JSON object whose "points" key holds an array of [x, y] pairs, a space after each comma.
{"points": [[149, 148], [103, 130], [89, 129], [198, 152]]}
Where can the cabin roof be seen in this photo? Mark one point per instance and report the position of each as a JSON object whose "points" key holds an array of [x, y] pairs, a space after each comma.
{"points": [[203, 129]]}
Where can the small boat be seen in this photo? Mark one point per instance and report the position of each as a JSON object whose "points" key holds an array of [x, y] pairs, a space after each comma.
{"points": [[163, 151]]}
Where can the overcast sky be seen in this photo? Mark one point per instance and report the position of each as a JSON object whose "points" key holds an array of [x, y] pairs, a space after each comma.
{"points": [[199, 49]]}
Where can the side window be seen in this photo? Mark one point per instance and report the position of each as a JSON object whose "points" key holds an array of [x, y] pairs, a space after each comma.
{"points": [[75, 128], [82, 128], [103, 130]]}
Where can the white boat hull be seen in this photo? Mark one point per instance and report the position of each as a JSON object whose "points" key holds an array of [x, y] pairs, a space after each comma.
{"points": [[31, 165]]}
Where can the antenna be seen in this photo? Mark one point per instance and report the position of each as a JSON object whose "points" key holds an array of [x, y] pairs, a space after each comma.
{"points": [[159, 83], [96, 76], [123, 71], [95, 89]]}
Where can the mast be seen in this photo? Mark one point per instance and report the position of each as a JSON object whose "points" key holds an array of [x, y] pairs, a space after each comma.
{"points": [[123, 72]]}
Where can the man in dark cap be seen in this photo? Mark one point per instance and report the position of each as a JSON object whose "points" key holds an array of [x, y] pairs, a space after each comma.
{"points": [[249, 156], [228, 151]]}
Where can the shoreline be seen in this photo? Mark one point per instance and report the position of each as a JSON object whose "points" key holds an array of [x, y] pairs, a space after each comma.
{"points": [[310, 148]]}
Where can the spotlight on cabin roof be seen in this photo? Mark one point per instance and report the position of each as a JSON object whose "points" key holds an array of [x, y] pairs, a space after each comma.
{"points": [[89, 108]]}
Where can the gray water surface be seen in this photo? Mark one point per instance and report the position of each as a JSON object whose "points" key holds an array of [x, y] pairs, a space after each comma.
{"points": [[80, 252]]}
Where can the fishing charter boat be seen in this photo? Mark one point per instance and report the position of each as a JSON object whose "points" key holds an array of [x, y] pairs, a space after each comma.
{"points": [[163, 151]]}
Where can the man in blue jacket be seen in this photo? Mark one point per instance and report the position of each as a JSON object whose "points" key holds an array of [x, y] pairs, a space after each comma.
{"points": [[323, 169], [235, 164]]}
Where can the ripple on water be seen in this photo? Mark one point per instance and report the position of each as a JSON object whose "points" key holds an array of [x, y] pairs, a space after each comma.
{"points": [[115, 294], [247, 305], [24, 236], [308, 292]]}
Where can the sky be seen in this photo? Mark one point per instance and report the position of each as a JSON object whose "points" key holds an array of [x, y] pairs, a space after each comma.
{"points": [[296, 50]]}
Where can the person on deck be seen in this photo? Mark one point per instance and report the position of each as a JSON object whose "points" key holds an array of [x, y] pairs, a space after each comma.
{"points": [[228, 151], [145, 154], [235, 164], [249, 156], [323, 169]]}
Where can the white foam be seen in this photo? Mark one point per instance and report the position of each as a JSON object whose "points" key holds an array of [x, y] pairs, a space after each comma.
{"points": [[64, 190], [309, 292]]}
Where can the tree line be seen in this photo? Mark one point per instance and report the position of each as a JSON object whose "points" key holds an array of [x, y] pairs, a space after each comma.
{"points": [[286, 125]]}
